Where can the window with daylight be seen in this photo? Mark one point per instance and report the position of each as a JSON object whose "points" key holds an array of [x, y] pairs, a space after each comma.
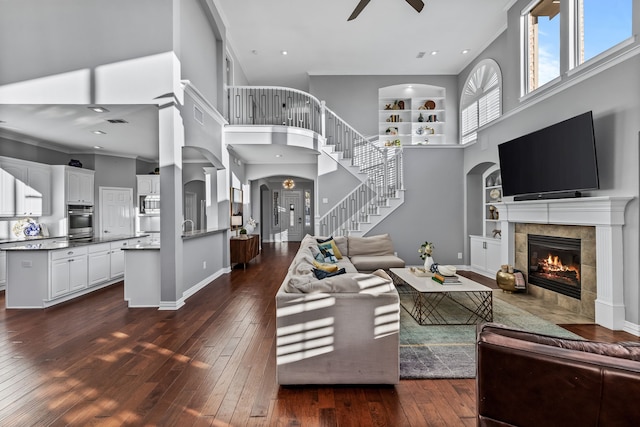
{"points": [[481, 99], [549, 50], [542, 43], [601, 25]]}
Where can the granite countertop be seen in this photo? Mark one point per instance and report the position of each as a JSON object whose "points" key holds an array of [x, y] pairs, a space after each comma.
{"points": [[30, 239], [48, 244], [152, 246], [200, 233]]}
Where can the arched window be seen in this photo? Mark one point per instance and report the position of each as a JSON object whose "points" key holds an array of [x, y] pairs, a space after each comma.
{"points": [[481, 99]]}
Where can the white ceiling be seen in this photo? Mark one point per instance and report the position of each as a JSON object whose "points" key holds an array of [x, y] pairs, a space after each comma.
{"points": [[383, 40], [70, 128]]}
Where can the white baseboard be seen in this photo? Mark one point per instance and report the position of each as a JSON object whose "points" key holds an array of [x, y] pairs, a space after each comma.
{"points": [[171, 305], [632, 328]]}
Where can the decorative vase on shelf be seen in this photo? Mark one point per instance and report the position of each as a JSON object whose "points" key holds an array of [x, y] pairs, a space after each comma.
{"points": [[420, 118], [428, 262]]}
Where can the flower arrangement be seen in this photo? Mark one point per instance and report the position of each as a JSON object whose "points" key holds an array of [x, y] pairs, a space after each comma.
{"points": [[426, 250], [252, 222], [26, 227]]}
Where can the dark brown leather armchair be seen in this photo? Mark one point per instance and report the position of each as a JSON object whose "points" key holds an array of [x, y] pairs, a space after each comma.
{"points": [[526, 379]]}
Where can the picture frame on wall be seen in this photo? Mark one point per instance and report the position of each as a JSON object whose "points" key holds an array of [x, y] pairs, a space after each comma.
{"points": [[236, 208]]}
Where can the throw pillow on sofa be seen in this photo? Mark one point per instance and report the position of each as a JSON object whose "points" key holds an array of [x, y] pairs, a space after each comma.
{"points": [[325, 266], [327, 254], [322, 274], [332, 244]]}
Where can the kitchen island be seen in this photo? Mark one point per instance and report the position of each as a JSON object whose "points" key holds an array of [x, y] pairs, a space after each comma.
{"points": [[41, 274], [201, 260]]}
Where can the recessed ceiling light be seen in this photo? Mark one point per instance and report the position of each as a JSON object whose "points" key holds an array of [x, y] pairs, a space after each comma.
{"points": [[278, 155], [465, 51], [434, 52], [98, 109], [284, 52], [255, 52], [97, 147], [98, 132]]}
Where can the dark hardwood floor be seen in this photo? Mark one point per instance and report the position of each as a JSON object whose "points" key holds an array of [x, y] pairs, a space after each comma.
{"points": [[94, 361]]}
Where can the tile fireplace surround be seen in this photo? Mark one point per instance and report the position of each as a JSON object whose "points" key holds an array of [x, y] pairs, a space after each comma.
{"points": [[606, 214]]}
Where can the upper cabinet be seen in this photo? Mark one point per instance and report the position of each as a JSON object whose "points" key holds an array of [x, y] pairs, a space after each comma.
{"points": [[26, 188], [148, 184], [411, 115], [79, 186]]}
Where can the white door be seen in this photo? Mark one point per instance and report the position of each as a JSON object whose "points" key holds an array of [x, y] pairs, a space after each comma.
{"points": [[116, 212], [291, 218]]}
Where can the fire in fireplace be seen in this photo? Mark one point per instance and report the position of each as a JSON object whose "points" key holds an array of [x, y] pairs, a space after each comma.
{"points": [[554, 264]]}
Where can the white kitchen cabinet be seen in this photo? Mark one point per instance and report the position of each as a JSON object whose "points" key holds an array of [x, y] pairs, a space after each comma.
{"points": [[148, 184], [99, 263], [79, 186], [485, 255], [117, 257], [68, 271], [26, 188]]}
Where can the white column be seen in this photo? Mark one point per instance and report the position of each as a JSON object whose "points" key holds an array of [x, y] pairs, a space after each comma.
{"points": [[609, 304]]}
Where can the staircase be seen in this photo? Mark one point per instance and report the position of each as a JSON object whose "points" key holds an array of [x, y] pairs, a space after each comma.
{"points": [[379, 170]]}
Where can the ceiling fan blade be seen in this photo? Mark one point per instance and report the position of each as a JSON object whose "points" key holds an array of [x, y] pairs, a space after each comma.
{"points": [[416, 4], [358, 9]]}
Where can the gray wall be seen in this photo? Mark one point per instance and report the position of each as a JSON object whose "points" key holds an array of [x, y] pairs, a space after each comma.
{"points": [[432, 209], [198, 65], [355, 98], [125, 30], [612, 95], [334, 183]]}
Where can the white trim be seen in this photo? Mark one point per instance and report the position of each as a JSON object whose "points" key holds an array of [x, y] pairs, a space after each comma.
{"points": [[171, 305], [202, 101], [631, 328], [176, 305], [606, 214], [535, 97], [594, 62]]}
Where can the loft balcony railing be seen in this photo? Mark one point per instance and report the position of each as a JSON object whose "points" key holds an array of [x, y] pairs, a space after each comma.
{"points": [[257, 105]]}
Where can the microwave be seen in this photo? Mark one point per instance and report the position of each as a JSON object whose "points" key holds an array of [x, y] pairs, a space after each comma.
{"points": [[150, 204], [80, 221]]}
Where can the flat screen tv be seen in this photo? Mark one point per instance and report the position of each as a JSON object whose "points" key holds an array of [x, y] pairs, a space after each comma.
{"points": [[557, 161]]}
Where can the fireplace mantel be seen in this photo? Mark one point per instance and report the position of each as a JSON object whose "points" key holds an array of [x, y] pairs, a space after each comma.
{"points": [[606, 213]]}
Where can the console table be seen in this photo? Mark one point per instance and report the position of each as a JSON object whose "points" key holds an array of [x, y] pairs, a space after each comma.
{"points": [[244, 249]]}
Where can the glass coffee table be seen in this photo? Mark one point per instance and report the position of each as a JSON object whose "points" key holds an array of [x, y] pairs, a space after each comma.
{"points": [[431, 303]]}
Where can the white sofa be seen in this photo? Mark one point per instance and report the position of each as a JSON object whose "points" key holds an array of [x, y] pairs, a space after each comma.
{"points": [[337, 330]]}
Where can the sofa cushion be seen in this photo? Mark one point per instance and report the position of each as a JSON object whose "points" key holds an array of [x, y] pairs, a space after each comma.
{"points": [[372, 246], [371, 263], [372, 283]]}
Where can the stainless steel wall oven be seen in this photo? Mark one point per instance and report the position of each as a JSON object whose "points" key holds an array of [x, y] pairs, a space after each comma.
{"points": [[80, 222]]}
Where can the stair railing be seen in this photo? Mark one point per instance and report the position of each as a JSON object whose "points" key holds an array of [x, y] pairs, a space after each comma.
{"points": [[271, 105]]}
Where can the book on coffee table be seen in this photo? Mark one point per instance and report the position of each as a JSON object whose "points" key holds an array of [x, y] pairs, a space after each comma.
{"points": [[446, 280]]}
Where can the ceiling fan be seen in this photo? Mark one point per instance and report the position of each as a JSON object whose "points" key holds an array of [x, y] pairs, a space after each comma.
{"points": [[416, 4]]}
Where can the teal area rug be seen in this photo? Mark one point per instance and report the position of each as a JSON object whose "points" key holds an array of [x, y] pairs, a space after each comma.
{"points": [[448, 351]]}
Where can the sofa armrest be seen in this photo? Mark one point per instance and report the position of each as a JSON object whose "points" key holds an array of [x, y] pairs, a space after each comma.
{"points": [[337, 338], [528, 379]]}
